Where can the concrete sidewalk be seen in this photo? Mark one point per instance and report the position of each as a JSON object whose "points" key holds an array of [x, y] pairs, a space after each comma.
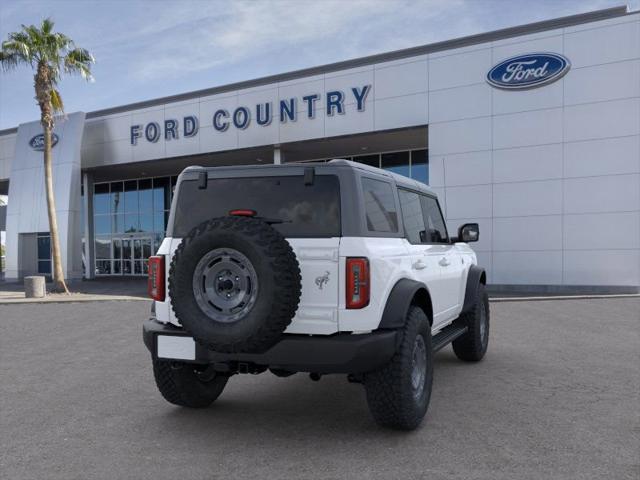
{"points": [[102, 289]]}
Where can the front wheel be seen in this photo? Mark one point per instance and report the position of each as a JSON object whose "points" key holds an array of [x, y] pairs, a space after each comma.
{"points": [[398, 394], [472, 346], [182, 384]]}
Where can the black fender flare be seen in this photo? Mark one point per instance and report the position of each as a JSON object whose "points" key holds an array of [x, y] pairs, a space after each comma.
{"points": [[475, 277], [400, 299]]}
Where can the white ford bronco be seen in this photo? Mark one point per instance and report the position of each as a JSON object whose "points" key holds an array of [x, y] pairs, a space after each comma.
{"points": [[323, 268]]}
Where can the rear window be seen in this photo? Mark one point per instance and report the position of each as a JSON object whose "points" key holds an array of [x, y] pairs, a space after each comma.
{"points": [[380, 206], [305, 210]]}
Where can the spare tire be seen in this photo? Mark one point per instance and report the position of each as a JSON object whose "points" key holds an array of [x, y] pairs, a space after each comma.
{"points": [[234, 284]]}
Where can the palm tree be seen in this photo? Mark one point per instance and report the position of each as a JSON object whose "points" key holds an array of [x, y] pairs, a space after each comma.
{"points": [[49, 54]]}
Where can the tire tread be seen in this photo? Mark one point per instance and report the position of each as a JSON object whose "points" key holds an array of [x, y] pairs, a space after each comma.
{"points": [[389, 396], [282, 261], [182, 387], [469, 346]]}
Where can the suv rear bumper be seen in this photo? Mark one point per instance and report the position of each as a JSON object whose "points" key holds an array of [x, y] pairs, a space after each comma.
{"points": [[340, 353]]}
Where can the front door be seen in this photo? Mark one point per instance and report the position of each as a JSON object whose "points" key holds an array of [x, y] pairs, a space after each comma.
{"points": [[443, 251]]}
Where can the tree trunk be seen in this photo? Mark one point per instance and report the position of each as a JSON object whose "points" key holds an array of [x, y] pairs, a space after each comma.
{"points": [[43, 85], [59, 284]]}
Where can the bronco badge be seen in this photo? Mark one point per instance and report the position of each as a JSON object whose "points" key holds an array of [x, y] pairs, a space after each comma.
{"points": [[322, 280]]}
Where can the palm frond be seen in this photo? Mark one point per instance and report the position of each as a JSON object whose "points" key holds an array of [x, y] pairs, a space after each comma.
{"points": [[14, 53], [79, 61], [9, 61], [56, 101], [18, 45], [47, 26], [34, 34], [20, 37], [63, 42]]}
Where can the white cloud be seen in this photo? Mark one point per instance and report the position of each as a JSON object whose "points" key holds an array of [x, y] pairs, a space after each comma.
{"points": [[193, 37]]}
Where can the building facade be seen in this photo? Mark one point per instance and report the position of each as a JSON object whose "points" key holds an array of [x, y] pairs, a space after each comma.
{"points": [[532, 131]]}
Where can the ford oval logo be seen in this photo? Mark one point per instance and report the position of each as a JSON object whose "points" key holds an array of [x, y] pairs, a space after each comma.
{"points": [[37, 142], [528, 71]]}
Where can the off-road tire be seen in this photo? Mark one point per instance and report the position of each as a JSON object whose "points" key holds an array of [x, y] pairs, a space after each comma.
{"points": [[180, 384], [472, 346], [390, 394], [279, 284]]}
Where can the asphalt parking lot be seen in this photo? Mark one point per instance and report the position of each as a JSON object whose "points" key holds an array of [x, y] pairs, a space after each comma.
{"points": [[558, 396]]}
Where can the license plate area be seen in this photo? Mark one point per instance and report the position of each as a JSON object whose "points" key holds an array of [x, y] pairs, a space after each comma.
{"points": [[176, 347]]}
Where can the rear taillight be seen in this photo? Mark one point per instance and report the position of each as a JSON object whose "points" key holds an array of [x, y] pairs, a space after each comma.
{"points": [[155, 283], [358, 282]]}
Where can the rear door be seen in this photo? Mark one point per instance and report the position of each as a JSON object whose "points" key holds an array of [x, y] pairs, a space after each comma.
{"points": [[424, 261]]}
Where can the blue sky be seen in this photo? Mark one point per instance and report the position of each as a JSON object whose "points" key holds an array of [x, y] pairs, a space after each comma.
{"points": [[149, 49]]}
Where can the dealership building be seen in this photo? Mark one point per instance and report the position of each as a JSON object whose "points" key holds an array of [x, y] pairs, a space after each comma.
{"points": [[531, 131]]}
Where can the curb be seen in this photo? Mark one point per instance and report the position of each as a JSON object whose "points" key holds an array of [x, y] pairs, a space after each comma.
{"points": [[561, 297], [21, 301]]}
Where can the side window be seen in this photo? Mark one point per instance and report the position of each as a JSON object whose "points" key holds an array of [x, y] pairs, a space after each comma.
{"points": [[412, 216], [380, 206], [436, 229]]}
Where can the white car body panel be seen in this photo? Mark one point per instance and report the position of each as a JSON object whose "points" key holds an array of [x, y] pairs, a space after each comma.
{"points": [[318, 309], [389, 261], [317, 312], [322, 309]]}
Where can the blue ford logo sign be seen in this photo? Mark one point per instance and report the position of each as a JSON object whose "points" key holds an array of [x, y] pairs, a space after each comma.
{"points": [[528, 71], [37, 142]]}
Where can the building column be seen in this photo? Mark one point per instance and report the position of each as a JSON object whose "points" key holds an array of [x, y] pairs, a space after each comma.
{"points": [[277, 155], [89, 254]]}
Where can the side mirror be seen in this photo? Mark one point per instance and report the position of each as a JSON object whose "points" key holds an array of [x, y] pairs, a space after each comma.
{"points": [[469, 232]]}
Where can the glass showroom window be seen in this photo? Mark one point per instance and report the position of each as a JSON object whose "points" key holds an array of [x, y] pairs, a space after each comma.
{"points": [[371, 160], [413, 164], [130, 218], [420, 165], [44, 253], [397, 162]]}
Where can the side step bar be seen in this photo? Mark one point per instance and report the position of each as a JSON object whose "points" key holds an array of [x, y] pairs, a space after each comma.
{"points": [[447, 335]]}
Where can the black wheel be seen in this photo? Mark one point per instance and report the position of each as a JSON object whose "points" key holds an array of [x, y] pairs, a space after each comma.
{"points": [[472, 346], [182, 384], [234, 284], [398, 394]]}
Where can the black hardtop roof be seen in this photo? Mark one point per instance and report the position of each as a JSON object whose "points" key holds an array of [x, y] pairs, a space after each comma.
{"points": [[400, 180]]}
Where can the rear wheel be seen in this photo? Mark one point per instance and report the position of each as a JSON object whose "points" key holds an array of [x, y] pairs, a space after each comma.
{"points": [[472, 346], [184, 384], [398, 394]]}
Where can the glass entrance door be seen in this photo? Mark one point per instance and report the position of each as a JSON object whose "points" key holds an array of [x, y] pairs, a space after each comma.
{"points": [[130, 255], [141, 253]]}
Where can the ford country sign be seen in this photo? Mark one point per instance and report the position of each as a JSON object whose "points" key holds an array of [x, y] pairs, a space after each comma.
{"points": [[37, 142], [284, 110], [528, 71]]}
